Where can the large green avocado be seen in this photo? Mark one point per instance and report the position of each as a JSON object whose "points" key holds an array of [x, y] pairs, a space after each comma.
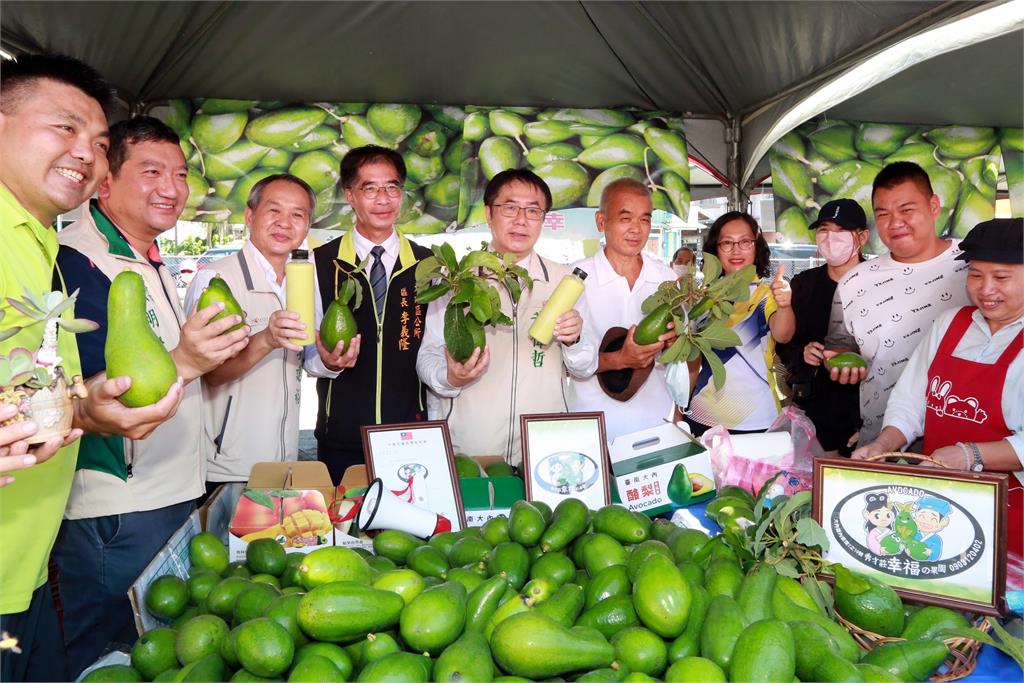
{"points": [[218, 291], [132, 347]]}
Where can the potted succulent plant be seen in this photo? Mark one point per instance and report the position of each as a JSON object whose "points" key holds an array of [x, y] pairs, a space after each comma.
{"points": [[37, 382], [475, 300]]}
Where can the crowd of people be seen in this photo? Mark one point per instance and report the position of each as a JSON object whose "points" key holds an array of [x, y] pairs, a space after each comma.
{"points": [[939, 322]]}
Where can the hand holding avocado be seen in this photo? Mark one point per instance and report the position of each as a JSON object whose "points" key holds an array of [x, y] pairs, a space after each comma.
{"points": [[334, 359], [205, 343], [633, 354], [461, 374], [845, 367], [103, 413]]}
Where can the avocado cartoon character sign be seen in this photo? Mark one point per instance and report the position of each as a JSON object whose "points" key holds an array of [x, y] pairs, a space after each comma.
{"points": [[934, 535], [566, 456]]}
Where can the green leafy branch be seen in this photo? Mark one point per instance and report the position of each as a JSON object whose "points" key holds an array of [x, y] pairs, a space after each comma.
{"points": [[470, 281], [700, 307], [350, 289]]}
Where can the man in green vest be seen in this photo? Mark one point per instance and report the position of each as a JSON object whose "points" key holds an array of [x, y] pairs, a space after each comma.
{"points": [[53, 146]]}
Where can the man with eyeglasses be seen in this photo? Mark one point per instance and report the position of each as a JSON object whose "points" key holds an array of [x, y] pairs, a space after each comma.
{"points": [[483, 398], [374, 381]]}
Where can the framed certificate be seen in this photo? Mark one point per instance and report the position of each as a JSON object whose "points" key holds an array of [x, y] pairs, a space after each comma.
{"points": [[414, 460]]}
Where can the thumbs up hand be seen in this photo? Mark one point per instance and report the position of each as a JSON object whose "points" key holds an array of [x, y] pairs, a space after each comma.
{"points": [[781, 290]]}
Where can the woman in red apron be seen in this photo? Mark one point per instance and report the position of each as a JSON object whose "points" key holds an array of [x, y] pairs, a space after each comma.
{"points": [[972, 414]]}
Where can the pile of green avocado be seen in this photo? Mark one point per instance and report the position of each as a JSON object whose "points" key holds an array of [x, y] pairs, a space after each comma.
{"points": [[568, 594]]}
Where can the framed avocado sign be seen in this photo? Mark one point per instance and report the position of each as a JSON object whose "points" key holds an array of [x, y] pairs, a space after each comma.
{"points": [[565, 455], [936, 536]]}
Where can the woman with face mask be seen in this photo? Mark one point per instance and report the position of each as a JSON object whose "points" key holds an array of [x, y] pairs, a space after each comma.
{"points": [[840, 231], [681, 260]]}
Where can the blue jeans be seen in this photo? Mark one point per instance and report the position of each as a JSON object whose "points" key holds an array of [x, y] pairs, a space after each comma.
{"points": [[42, 652], [99, 559]]}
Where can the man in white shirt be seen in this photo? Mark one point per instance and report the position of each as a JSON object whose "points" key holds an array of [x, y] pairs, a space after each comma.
{"points": [[483, 398], [374, 381], [621, 276], [252, 400], [891, 301]]}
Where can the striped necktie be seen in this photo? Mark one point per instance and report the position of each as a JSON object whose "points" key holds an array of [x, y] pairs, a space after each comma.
{"points": [[378, 278]]}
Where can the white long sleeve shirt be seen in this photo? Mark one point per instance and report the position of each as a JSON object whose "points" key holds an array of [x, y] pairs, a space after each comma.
{"points": [[906, 408]]}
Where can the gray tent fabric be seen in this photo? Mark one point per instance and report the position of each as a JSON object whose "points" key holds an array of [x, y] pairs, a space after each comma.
{"points": [[719, 60]]}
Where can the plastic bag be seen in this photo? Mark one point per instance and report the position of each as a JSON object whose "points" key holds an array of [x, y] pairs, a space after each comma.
{"points": [[793, 459], [677, 380]]}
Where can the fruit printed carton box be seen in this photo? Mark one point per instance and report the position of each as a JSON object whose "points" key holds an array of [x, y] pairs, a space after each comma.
{"points": [[287, 501], [660, 468]]}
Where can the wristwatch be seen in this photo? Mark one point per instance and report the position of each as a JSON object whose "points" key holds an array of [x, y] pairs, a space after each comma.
{"points": [[978, 465]]}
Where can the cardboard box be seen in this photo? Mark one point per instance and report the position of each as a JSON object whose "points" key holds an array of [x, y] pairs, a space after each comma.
{"points": [[485, 498], [643, 464], [287, 501], [173, 558]]}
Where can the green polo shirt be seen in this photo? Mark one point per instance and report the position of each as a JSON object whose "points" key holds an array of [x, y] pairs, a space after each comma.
{"points": [[32, 507]]}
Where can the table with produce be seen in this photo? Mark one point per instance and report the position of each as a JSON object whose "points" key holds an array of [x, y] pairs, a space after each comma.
{"points": [[556, 594]]}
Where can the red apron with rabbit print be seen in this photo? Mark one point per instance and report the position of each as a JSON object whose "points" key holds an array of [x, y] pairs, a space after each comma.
{"points": [[965, 403]]}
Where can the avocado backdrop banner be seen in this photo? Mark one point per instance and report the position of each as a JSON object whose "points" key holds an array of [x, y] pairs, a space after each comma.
{"points": [[450, 153], [1012, 142], [830, 158]]}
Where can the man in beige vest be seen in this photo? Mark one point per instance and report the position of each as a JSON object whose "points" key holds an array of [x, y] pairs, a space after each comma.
{"points": [[483, 398], [128, 496], [252, 401]]}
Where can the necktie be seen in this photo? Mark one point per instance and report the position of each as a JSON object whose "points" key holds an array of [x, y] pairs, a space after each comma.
{"points": [[378, 279]]}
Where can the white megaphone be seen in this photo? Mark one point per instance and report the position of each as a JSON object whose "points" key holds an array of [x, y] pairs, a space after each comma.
{"points": [[382, 509]]}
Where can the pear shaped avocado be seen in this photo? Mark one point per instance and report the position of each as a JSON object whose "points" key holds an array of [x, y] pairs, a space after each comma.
{"points": [[338, 325], [532, 645], [462, 333], [132, 347], [680, 487], [653, 325], [218, 291]]}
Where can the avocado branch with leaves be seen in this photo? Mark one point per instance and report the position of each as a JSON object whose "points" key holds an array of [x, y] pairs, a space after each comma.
{"points": [[473, 285], [699, 308]]}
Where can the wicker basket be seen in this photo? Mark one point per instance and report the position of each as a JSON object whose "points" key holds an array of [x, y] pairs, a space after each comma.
{"points": [[901, 454], [963, 652]]}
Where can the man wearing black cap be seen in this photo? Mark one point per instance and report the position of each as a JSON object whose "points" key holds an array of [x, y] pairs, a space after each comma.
{"points": [[962, 387], [841, 231]]}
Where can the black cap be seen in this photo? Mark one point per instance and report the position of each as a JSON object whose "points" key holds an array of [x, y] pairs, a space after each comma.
{"points": [[300, 254], [1000, 240], [845, 213]]}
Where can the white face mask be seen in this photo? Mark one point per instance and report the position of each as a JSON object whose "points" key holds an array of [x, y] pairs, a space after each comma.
{"points": [[836, 247], [680, 269]]}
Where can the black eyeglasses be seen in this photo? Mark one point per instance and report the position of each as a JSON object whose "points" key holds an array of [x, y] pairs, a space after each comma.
{"points": [[533, 213], [743, 245]]}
